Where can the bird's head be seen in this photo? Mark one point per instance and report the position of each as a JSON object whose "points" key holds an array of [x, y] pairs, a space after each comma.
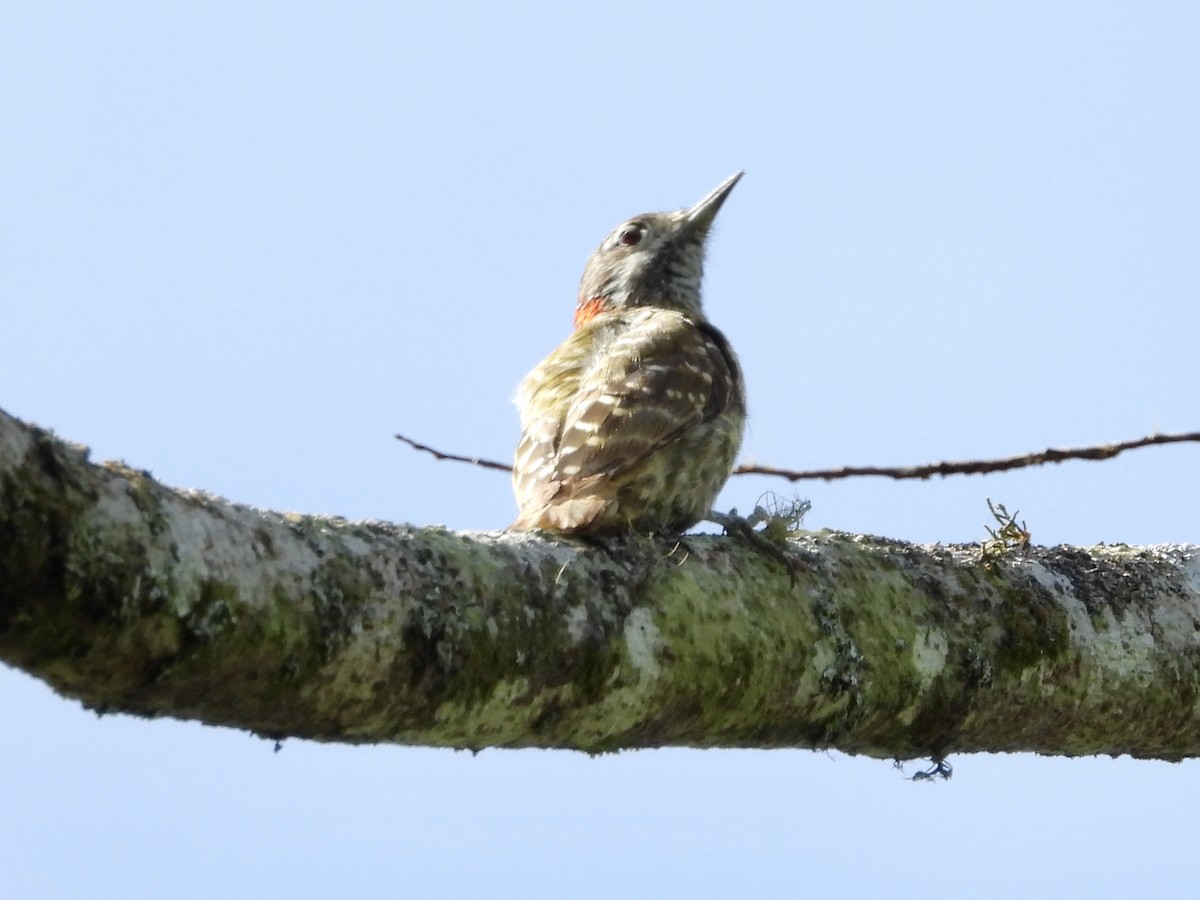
{"points": [[655, 259]]}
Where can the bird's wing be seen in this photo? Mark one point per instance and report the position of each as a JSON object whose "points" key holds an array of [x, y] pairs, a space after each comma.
{"points": [[652, 384]]}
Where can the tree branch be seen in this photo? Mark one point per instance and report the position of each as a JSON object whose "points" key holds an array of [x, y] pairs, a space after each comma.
{"points": [[134, 597]]}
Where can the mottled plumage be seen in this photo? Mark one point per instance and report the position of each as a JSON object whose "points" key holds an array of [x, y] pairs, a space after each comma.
{"points": [[635, 420]]}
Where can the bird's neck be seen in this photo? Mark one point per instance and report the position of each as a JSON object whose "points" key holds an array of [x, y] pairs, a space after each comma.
{"points": [[589, 308]]}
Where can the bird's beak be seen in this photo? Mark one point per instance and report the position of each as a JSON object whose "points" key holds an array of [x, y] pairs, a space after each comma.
{"points": [[701, 216]]}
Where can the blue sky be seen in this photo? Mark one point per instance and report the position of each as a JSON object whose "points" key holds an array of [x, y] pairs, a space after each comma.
{"points": [[243, 247]]}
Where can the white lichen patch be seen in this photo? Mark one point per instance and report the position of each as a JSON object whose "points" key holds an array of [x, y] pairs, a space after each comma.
{"points": [[642, 642], [823, 668], [14, 445], [577, 623], [1117, 647], [1187, 559], [221, 545], [1078, 620], [929, 653], [115, 506]]}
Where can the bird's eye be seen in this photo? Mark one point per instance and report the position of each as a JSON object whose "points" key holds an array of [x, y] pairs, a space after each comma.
{"points": [[630, 235]]}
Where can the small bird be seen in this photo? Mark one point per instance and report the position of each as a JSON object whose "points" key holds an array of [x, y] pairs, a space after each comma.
{"points": [[634, 421]]}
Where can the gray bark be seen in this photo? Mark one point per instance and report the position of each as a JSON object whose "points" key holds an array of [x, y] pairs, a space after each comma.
{"points": [[134, 597]]}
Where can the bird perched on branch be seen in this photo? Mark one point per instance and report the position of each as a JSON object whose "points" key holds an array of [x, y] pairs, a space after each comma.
{"points": [[634, 421]]}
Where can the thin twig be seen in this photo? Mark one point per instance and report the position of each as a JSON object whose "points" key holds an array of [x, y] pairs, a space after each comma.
{"points": [[972, 467], [454, 457]]}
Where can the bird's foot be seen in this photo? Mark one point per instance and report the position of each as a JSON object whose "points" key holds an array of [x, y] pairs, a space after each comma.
{"points": [[770, 540]]}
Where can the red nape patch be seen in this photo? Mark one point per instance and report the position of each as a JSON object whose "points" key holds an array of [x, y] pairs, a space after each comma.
{"points": [[588, 310]]}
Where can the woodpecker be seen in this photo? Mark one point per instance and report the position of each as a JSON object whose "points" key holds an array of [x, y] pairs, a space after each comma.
{"points": [[634, 421]]}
